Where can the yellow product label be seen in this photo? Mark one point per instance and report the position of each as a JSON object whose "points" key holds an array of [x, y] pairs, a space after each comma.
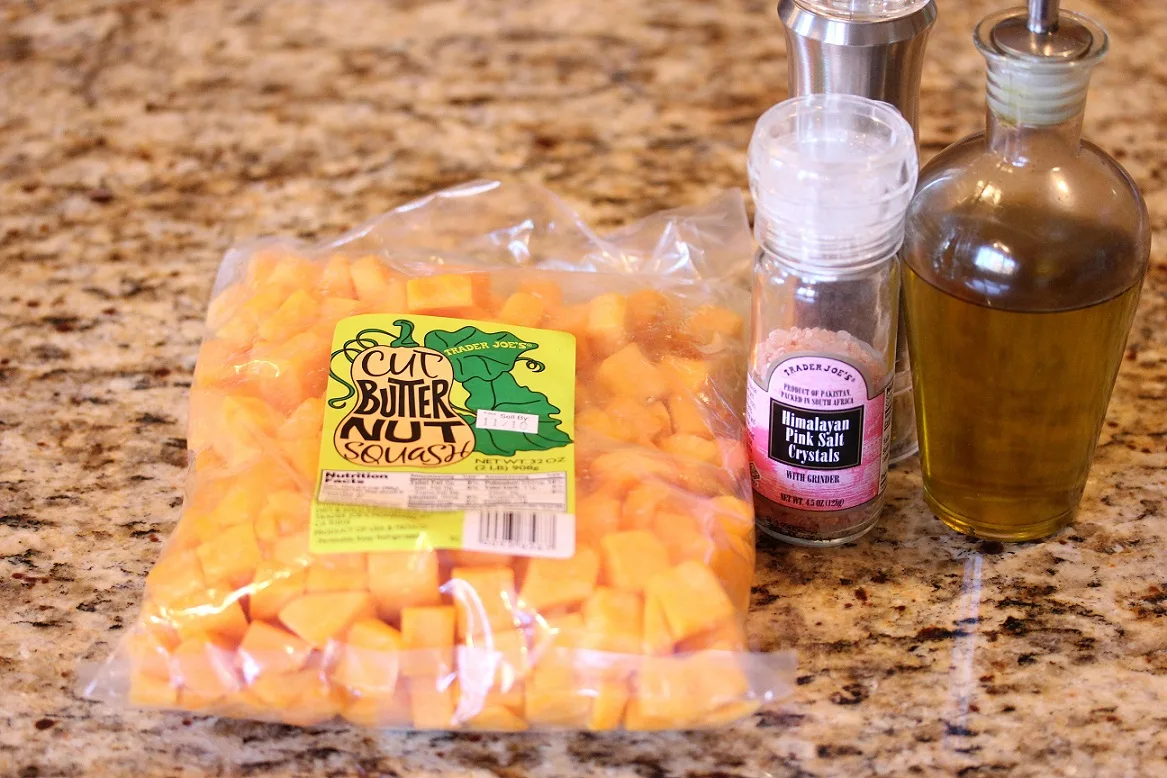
{"points": [[447, 433]]}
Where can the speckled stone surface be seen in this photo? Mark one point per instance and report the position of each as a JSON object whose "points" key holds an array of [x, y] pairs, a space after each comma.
{"points": [[138, 139]]}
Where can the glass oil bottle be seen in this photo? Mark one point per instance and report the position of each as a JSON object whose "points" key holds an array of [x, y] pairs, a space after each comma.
{"points": [[1026, 248]]}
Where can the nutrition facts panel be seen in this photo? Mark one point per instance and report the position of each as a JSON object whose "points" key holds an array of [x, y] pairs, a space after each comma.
{"points": [[539, 491]]}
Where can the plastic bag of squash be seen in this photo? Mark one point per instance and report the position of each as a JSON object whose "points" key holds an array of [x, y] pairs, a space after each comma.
{"points": [[469, 466]]}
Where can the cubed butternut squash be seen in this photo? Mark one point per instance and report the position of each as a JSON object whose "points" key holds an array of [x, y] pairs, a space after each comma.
{"points": [[632, 558], [484, 597], [556, 583], [691, 598], [403, 579], [370, 658], [427, 640], [321, 617], [629, 373], [266, 648]]}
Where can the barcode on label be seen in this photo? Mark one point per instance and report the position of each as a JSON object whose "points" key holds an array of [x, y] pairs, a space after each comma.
{"points": [[521, 533]]}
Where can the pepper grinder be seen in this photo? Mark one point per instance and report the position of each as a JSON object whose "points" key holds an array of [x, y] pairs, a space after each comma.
{"points": [[870, 48]]}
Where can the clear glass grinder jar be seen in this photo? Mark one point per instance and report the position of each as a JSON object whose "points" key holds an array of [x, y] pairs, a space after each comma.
{"points": [[831, 176]]}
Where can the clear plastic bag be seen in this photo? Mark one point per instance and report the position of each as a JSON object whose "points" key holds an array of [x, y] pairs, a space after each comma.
{"points": [[641, 627]]}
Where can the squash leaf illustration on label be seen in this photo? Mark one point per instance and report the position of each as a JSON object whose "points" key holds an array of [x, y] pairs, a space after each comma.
{"points": [[407, 411]]}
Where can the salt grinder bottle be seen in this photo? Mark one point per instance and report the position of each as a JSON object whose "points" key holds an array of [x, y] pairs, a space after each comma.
{"points": [[1026, 250], [831, 177], [871, 48]]}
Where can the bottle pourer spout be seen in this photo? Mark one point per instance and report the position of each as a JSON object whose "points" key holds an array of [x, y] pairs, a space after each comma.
{"points": [[1043, 16]]}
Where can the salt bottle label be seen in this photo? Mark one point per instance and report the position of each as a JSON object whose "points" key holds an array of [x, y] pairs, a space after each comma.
{"points": [[819, 434]]}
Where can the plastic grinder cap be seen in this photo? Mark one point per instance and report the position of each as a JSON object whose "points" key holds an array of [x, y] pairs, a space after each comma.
{"points": [[832, 176]]}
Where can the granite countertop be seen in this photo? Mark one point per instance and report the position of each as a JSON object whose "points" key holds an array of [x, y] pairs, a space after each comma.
{"points": [[139, 139]]}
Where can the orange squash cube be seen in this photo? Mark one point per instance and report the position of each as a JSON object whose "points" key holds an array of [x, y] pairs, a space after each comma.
{"points": [[214, 612], [403, 579], [294, 272], [336, 278], [448, 292], [632, 558], [231, 558], [293, 550], [175, 575], [685, 546], [392, 711], [432, 703], [303, 456], [726, 636], [523, 309], [642, 503], [261, 264], [626, 468], [427, 640], [280, 691], [687, 416], [241, 503], [338, 573], [664, 694], [613, 620], [712, 325], [376, 286], [319, 618], [685, 375], [606, 325], [484, 597], [650, 315], [332, 310], [149, 652], [148, 691], [594, 421], [546, 290], [686, 447], [275, 586], [306, 421], [299, 312], [206, 667], [217, 362], [629, 373], [658, 640], [717, 679], [691, 598], [560, 632], [596, 516], [609, 701], [554, 697], [318, 703], [370, 658], [555, 583], [225, 305], [733, 563], [736, 516], [497, 718], [268, 649], [635, 421], [285, 513]]}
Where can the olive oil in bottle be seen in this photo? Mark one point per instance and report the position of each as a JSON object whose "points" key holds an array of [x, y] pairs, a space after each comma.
{"points": [[1025, 252]]}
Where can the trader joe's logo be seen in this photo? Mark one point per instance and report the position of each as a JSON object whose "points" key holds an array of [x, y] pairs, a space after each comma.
{"points": [[435, 404]]}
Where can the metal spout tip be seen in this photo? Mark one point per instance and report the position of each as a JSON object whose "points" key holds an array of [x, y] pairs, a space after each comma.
{"points": [[1043, 16]]}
